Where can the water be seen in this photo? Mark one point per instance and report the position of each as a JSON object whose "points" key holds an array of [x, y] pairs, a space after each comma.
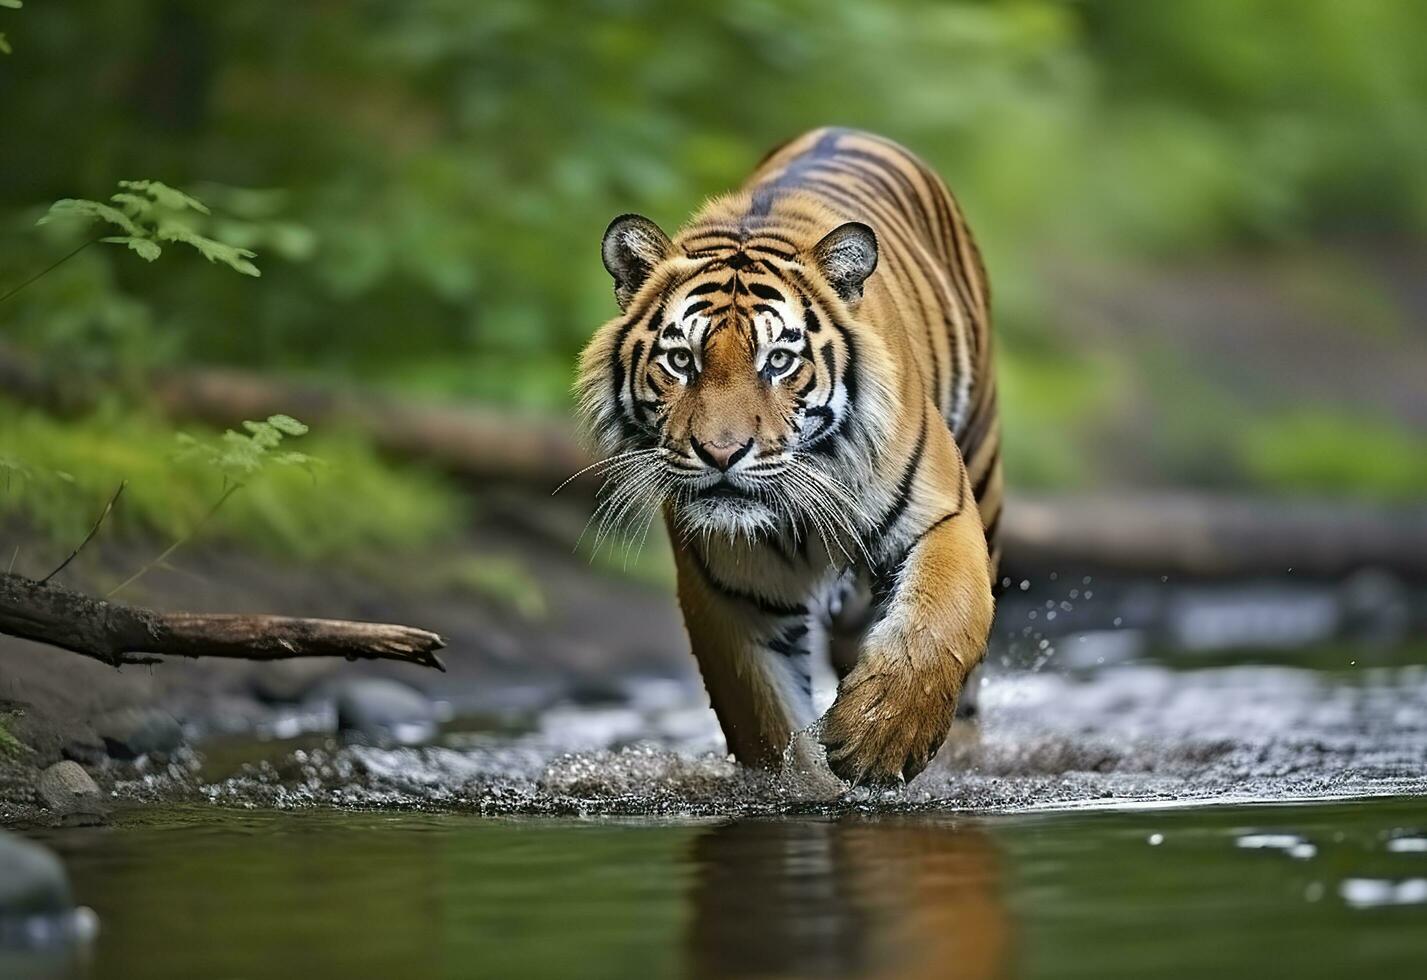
{"points": [[188, 892], [1113, 815]]}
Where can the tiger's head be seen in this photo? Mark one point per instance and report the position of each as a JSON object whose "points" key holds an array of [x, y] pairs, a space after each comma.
{"points": [[737, 386]]}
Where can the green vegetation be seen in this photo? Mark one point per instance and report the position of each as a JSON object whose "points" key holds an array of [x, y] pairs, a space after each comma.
{"points": [[149, 213], [1322, 452], [350, 504], [426, 182]]}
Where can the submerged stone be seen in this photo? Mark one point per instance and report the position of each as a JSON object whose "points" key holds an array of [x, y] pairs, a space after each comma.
{"points": [[32, 880], [381, 710]]}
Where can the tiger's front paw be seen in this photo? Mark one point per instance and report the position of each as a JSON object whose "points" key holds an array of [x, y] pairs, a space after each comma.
{"points": [[885, 726]]}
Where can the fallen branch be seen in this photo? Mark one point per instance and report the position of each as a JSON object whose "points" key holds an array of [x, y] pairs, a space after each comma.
{"points": [[1212, 536], [119, 634]]}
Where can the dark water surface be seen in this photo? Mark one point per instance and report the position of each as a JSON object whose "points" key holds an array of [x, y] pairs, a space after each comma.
{"points": [[1324, 889]]}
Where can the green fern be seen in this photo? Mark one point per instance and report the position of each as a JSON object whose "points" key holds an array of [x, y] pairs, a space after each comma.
{"points": [[149, 213], [240, 456]]}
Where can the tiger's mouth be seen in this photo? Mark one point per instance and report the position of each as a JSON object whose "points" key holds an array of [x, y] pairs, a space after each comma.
{"points": [[722, 490]]}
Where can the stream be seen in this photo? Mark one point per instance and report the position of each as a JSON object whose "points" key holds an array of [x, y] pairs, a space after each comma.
{"points": [[1119, 809]]}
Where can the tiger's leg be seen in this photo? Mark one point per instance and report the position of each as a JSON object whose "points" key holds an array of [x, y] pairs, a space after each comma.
{"points": [[754, 656], [894, 708]]}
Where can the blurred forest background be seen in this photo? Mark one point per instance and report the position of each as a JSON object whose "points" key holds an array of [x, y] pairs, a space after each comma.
{"points": [[1205, 222]]}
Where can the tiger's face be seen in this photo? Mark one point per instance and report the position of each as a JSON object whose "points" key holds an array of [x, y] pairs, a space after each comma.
{"points": [[731, 388]]}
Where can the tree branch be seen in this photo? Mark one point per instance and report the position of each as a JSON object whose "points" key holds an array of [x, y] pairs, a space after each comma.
{"points": [[119, 634]]}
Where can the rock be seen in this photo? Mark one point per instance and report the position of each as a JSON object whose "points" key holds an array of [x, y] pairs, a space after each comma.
{"points": [[32, 880], [288, 681], [132, 732], [66, 788], [41, 929], [384, 711], [86, 748]]}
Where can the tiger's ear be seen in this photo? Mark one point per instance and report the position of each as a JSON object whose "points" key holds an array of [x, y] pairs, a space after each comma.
{"points": [[846, 256], [633, 245]]}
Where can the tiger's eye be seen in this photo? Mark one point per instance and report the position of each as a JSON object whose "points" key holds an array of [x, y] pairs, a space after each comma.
{"points": [[680, 359], [779, 360]]}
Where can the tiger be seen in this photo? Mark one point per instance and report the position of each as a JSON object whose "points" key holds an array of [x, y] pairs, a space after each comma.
{"points": [[800, 383]]}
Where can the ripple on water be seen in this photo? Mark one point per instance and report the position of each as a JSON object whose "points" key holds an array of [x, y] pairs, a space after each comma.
{"points": [[1290, 844], [1141, 733], [1367, 893]]}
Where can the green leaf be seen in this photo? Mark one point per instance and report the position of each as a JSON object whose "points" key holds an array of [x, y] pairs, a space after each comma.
{"points": [[287, 425], [12, 4], [148, 250], [165, 195], [213, 251], [5, 46], [75, 207], [133, 205]]}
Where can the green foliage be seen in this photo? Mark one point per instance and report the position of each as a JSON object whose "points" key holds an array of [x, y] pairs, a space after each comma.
{"points": [[453, 164], [240, 456], [446, 169], [352, 506], [1048, 401], [149, 212], [1334, 453]]}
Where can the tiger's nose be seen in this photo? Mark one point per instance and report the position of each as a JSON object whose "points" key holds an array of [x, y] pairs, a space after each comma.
{"points": [[721, 455]]}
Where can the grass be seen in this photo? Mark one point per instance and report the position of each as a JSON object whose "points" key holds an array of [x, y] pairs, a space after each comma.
{"points": [[56, 475]]}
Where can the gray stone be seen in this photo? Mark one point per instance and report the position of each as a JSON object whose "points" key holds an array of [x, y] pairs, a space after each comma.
{"points": [[86, 748], [66, 788], [384, 711], [288, 681], [132, 732], [32, 879]]}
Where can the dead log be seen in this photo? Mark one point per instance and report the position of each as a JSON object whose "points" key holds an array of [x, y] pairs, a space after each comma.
{"points": [[1207, 535], [118, 634]]}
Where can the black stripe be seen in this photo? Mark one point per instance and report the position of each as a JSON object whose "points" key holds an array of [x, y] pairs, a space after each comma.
{"points": [[769, 607], [904, 485], [788, 643], [777, 253], [635, 354], [774, 236], [708, 287], [984, 481], [764, 291]]}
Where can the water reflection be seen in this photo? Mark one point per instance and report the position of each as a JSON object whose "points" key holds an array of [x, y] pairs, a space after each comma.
{"points": [[891, 896]]}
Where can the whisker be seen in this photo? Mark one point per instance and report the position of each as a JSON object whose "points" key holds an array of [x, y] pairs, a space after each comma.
{"points": [[608, 461]]}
